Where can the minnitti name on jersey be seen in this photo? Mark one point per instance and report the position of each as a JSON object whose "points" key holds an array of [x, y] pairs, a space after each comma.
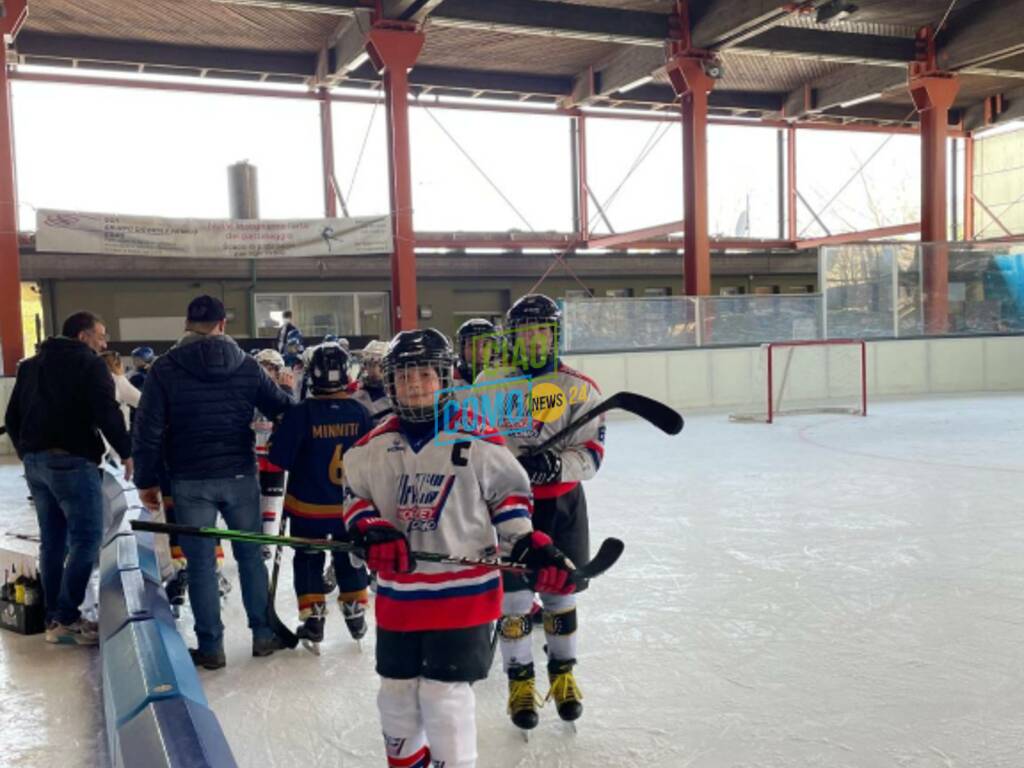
{"points": [[333, 431], [421, 500]]}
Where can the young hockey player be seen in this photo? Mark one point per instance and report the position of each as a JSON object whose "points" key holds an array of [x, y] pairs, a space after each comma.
{"points": [[272, 477], [459, 493], [560, 509], [311, 442], [476, 341], [369, 389]]}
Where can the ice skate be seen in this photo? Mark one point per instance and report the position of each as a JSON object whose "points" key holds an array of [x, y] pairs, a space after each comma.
{"points": [[177, 591], [223, 586], [523, 700], [355, 619], [564, 690], [311, 631]]}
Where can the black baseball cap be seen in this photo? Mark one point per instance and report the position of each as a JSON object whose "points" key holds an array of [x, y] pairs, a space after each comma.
{"points": [[205, 309]]}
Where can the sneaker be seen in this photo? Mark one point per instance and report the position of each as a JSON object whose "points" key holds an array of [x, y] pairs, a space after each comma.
{"points": [[264, 646], [214, 660], [355, 618], [522, 696], [564, 690], [80, 632]]}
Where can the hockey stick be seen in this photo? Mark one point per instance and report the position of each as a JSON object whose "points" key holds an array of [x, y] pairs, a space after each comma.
{"points": [[288, 638], [607, 554], [24, 537], [648, 409]]}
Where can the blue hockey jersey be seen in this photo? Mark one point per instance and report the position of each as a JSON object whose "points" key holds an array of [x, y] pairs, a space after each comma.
{"points": [[310, 442]]}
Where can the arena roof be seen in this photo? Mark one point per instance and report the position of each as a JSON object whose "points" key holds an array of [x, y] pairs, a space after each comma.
{"points": [[776, 61]]}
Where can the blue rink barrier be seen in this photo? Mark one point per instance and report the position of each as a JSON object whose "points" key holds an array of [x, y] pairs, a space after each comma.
{"points": [[156, 712]]}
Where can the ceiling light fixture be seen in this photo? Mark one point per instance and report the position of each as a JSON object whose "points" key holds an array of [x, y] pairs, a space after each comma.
{"points": [[636, 84]]}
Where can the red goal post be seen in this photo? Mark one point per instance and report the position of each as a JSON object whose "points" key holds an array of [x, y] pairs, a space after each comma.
{"points": [[835, 368]]}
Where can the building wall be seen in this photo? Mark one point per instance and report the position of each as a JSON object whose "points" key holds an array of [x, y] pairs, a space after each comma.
{"points": [[450, 300], [999, 183]]}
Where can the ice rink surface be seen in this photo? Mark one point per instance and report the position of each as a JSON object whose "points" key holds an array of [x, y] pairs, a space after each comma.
{"points": [[826, 591]]}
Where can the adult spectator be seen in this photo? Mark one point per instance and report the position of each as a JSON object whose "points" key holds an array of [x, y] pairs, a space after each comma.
{"points": [[63, 399], [287, 329], [195, 414], [126, 393]]}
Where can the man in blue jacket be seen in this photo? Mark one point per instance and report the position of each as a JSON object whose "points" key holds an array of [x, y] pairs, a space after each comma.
{"points": [[196, 415]]}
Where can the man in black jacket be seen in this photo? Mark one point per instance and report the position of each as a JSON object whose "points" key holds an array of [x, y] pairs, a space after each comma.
{"points": [[63, 397], [195, 415]]}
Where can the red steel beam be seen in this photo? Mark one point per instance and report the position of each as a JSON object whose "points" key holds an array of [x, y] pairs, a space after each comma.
{"points": [[969, 188], [933, 95], [394, 50], [636, 235], [12, 345], [791, 188], [371, 98], [861, 235], [693, 85], [327, 154], [582, 187]]}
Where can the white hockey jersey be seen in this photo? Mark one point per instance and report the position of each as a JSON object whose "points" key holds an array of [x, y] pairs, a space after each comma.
{"points": [[375, 401], [556, 399], [460, 494]]}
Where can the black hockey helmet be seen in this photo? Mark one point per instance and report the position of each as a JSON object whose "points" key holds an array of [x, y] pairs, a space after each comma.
{"points": [[412, 349], [473, 328], [328, 368], [533, 309]]}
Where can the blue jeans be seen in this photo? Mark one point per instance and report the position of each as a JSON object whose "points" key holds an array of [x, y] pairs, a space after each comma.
{"points": [[237, 499], [69, 507]]}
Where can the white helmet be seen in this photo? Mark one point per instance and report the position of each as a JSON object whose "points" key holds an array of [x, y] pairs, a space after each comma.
{"points": [[375, 350], [270, 357]]}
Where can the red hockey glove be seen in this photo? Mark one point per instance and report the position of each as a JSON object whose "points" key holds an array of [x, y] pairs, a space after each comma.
{"points": [[385, 548], [552, 571], [543, 468]]}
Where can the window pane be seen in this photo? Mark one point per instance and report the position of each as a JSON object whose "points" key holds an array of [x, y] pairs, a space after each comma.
{"points": [[374, 315], [269, 308], [634, 168], [525, 156], [161, 152], [856, 181]]}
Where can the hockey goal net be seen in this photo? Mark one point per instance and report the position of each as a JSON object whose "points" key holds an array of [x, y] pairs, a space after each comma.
{"points": [[794, 377]]}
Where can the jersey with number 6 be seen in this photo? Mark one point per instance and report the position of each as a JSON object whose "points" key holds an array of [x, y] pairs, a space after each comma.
{"points": [[310, 442], [555, 400]]}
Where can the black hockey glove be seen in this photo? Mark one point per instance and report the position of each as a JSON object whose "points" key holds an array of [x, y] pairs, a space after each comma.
{"points": [[551, 570], [543, 468]]}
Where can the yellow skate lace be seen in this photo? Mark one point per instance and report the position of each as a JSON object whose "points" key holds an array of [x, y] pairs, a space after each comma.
{"points": [[522, 694], [564, 688]]}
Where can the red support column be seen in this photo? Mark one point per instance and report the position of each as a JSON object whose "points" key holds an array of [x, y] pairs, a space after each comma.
{"points": [[791, 198], [969, 188], [327, 153], [693, 85], [933, 95], [394, 48], [582, 196], [11, 333], [933, 92]]}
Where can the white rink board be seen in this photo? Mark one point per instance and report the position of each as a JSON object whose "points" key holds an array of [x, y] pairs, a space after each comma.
{"points": [[726, 378]]}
